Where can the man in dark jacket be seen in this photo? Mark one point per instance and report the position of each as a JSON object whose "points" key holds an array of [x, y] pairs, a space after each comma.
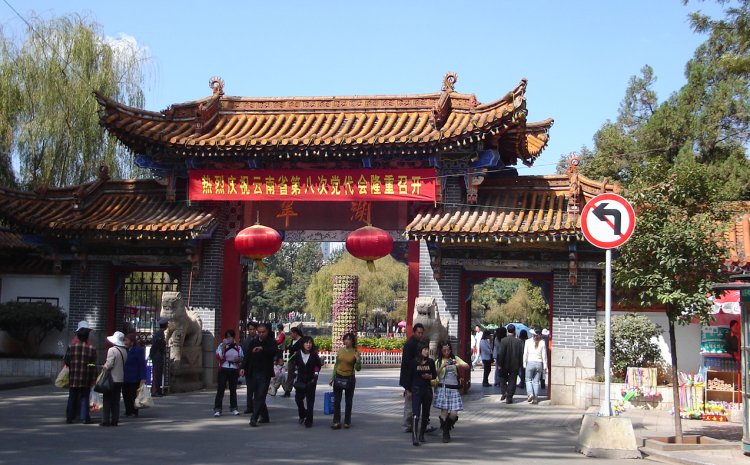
{"points": [[252, 334], [510, 355], [258, 370], [291, 367], [158, 354], [408, 355]]}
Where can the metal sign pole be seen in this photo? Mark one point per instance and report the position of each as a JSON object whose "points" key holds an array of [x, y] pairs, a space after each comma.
{"points": [[606, 407]]}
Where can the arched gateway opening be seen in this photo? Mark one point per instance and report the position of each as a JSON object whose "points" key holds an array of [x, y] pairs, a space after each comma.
{"points": [[436, 171]]}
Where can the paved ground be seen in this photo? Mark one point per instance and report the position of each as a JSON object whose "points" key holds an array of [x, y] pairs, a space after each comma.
{"points": [[180, 429]]}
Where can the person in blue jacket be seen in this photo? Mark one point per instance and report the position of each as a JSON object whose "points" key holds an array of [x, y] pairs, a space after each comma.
{"points": [[134, 374]]}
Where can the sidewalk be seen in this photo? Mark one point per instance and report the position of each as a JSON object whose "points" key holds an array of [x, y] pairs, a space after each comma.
{"points": [[180, 429]]}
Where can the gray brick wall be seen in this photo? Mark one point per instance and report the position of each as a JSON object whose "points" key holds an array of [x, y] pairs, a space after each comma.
{"points": [[205, 291], [574, 310], [89, 295], [446, 290]]}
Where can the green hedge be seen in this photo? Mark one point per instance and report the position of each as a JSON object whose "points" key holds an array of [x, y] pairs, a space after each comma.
{"points": [[385, 343]]}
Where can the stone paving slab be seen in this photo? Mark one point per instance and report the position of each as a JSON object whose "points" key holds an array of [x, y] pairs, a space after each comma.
{"points": [[180, 429]]}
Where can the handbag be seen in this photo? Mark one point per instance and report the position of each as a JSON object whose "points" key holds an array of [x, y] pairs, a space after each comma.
{"points": [[340, 383], [104, 382], [300, 385], [63, 378]]}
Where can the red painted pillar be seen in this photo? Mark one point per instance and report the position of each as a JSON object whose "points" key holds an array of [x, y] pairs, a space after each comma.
{"points": [[412, 291], [231, 289]]}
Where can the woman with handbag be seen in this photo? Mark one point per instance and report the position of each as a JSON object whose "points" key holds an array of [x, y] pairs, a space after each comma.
{"points": [[348, 361], [115, 364], [449, 386], [134, 375], [307, 365]]}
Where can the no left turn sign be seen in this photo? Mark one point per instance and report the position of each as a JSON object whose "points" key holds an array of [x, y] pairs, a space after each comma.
{"points": [[608, 221]]}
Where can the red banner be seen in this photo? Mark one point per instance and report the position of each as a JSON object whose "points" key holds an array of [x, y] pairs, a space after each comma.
{"points": [[313, 185]]}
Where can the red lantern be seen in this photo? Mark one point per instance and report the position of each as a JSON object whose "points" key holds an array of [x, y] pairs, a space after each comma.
{"points": [[258, 242], [369, 243]]}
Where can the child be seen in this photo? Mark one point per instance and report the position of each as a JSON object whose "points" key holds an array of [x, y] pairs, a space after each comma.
{"points": [[279, 376]]}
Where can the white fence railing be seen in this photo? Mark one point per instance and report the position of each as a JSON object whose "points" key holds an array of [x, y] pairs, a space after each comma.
{"points": [[368, 358]]}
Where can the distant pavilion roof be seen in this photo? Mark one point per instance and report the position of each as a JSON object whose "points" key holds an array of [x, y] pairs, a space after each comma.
{"points": [[105, 209], [286, 127]]}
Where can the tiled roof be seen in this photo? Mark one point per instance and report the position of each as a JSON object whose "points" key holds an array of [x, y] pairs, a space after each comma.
{"points": [[221, 126], [13, 240], [130, 209], [512, 208], [738, 236]]}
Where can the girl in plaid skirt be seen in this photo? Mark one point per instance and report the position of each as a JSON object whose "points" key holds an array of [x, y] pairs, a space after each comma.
{"points": [[449, 384]]}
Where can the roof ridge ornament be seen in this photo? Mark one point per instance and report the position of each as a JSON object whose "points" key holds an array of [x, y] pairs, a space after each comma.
{"points": [[216, 83], [442, 107], [448, 82]]}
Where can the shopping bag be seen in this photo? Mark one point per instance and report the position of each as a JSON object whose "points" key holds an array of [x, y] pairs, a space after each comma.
{"points": [[63, 378], [328, 403], [104, 382], [95, 402], [144, 400]]}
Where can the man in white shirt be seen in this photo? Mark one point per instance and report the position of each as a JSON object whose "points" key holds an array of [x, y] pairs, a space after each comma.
{"points": [[475, 358]]}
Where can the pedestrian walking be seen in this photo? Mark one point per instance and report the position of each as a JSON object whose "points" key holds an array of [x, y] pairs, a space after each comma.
{"points": [[252, 334], [307, 367], [485, 353], [230, 356], [348, 360], [535, 361], [421, 373], [409, 353], [294, 347], [500, 333], [449, 386], [258, 370], [510, 354]]}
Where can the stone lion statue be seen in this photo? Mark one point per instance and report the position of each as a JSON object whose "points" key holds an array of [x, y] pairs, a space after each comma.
{"points": [[183, 335], [435, 328]]}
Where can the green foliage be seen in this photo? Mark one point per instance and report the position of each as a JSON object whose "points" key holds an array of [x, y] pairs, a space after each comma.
{"points": [[502, 301], [323, 342], [706, 121], [676, 253], [30, 322], [385, 343], [384, 288], [280, 288], [49, 125], [631, 342]]}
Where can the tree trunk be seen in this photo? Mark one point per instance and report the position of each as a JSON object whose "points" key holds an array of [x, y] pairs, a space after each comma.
{"points": [[675, 381]]}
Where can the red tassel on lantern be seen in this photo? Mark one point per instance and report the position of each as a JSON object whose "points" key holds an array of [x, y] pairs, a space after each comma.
{"points": [[258, 242], [369, 243]]}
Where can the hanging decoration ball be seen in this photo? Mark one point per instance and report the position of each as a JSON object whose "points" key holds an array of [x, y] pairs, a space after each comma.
{"points": [[369, 243], [258, 242]]}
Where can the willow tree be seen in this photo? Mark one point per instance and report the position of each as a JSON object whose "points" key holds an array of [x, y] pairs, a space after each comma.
{"points": [[381, 289], [676, 252], [49, 128]]}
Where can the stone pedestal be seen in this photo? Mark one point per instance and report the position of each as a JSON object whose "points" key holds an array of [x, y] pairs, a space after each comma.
{"points": [[608, 437]]}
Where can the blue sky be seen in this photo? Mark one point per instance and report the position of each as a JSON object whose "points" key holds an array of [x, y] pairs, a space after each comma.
{"points": [[576, 54]]}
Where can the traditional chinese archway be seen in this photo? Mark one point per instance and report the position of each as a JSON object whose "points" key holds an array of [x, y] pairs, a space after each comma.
{"points": [[438, 167]]}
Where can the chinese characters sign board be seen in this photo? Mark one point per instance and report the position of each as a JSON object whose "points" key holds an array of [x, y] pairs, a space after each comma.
{"points": [[313, 185]]}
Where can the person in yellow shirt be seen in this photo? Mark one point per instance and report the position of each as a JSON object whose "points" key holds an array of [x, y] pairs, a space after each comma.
{"points": [[348, 360]]}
